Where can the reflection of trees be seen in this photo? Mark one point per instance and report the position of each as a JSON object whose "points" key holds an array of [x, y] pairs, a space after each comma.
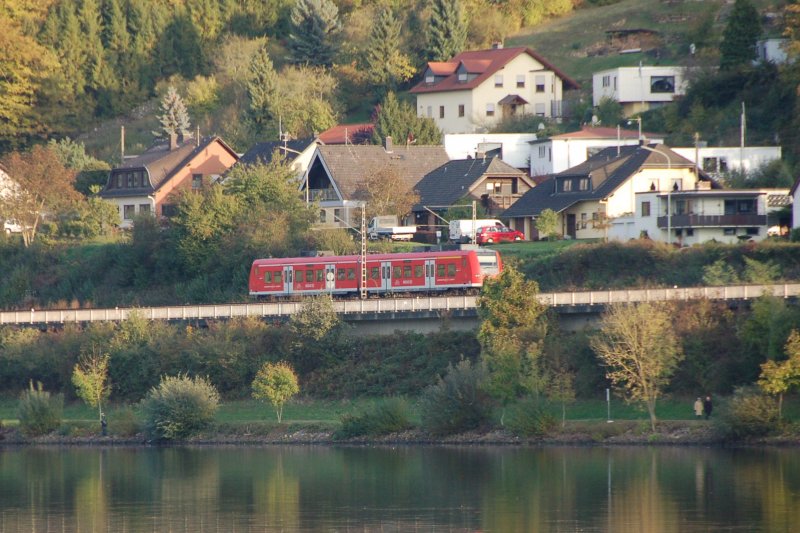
{"points": [[277, 498]]}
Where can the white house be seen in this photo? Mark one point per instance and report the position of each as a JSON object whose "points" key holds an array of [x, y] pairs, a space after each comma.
{"points": [[772, 50], [688, 217], [639, 89], [717, 160], [477, 89], [560, 152], [512, 148]]}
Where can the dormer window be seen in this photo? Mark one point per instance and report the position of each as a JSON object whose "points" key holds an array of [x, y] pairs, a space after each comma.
{"points": [[430, 79], [462, 77], [566, 186]]}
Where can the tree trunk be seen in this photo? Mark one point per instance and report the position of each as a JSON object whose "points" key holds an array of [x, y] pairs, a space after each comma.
{"points": [[651, 408]]}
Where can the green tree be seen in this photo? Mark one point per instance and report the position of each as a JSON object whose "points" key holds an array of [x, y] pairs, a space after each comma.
{"points": [[640, 351], [778, 378], [547, 224], [447, 30], [317, 331], [276, 383], [385, 64], [179, 407], [262, 90], [174, 117], [738, 47], [609, 112], [399, 121], [315, 27], [720, 272], [513, 327], [90, 377]]}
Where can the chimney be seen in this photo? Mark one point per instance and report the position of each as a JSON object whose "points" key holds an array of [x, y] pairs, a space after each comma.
{"points": [[173, 141], [497, 45], [387, 145]]}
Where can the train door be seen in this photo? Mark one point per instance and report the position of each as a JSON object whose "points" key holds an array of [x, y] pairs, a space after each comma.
{"points": [[330, 278], [288, 280], [430, 273], [386, 275]]}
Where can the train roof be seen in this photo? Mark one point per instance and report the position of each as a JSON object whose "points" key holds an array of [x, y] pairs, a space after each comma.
{"points": [[370, 257]]}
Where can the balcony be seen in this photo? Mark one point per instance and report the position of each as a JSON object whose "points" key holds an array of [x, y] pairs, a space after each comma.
{"points": [[322, 195], [711, 221]]}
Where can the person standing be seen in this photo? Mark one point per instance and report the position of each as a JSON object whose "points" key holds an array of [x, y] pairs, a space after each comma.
{"points": [[707, 407], [698, 407]]}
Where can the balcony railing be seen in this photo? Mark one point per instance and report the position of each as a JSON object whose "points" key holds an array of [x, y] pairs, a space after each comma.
{"points": [[698, 221], [322, 195]]}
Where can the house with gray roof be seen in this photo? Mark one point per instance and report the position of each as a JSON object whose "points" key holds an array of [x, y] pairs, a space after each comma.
{"points": [[604, 187], [336, 173], [151, 182], [492, 183], [296, 152]]}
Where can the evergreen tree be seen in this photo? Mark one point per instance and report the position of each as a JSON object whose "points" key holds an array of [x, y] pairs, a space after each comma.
{"points": [[96, 69], [447, 30], [386, 66], [738, 47], [261, 88], [399, 121], [315, 25], [174, 117]]}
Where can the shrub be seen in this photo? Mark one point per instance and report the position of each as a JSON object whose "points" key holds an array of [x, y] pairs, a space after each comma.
{"points": [[38, 411], [179, 407], [124, 422], [749, 413], [386, 416], [456, 402], [528, 418]]}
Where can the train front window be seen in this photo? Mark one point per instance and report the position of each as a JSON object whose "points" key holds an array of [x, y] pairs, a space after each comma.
{"points": [[488, 263], [398, 272], [267, 277]]}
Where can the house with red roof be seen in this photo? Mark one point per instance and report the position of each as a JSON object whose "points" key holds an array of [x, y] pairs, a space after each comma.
{"points": [[477, 89], [151, 182]]}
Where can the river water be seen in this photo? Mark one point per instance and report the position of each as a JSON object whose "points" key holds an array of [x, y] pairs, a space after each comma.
{"points": [[399, 489]]}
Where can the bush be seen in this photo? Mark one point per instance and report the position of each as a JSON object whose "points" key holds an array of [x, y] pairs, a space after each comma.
{"points": [[456, 402], [749, 413], [38, 411], [387, 416], [179, 407], [124, 422], [528, 418]]}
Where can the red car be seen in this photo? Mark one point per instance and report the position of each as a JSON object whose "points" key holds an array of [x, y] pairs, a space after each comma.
{"points": [[493, 234]]}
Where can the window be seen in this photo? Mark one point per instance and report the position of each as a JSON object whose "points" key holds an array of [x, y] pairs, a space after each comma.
{"points": [[606, 81], [566, 186], [417, 271], [197, 181], [128, 211], [323, 216], [407, 271], [341, 274], [583, 220], [351, 273], [752, 231], [645, 209], [119, 181], [539, 83], [267, 277], [489, 110], [539, 110], [729, 231], [129, 179], [498, 80], [374, 273], [429, 79], [320, 275], [584, 184], [462, 77], [398, 272], [662, 84], [690, 232], [440, 271], [337, 215], [169, 210], [451, 269], [278, 277], [144, 209], [740, 207], [441, 111], [520, 81], [298, 276], [542, 152], [461, 110]]}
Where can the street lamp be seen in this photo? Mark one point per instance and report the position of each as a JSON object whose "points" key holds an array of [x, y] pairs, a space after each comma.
{"points": [[639, 120]]}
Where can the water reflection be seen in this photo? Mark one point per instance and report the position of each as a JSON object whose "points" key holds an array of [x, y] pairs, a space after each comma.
{"points": [[310, 488]]}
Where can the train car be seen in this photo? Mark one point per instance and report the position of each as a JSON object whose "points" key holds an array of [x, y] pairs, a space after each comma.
{"points": [[385, 273]]}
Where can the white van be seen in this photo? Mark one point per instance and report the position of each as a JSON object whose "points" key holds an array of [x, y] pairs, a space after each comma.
{"points": [[463, 230]]}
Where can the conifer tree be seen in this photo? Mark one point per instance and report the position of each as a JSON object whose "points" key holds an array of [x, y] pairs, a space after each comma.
{"points": [[261, 88], [399, 121], [96, 69], [447, 30], [386, 66], [174, 118], [738, 47], [315, 25]]}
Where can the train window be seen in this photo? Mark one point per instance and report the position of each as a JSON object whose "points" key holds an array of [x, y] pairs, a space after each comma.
{"points": [[309, 276], [398, 272], [267, 277], [298, 276], [351, 273], [375, 273], [340, 274], [278, 277], [451, 269], [440, 270], [320, 275], [418, 271], [407, 271]]}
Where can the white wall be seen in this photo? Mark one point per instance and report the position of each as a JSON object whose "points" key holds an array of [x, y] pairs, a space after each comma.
{"points": [[749, 157], [634, 84], [557, 155], [515, 146]]}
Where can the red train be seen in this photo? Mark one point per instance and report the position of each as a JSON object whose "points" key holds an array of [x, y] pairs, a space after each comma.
{"points": [[386, 273]]}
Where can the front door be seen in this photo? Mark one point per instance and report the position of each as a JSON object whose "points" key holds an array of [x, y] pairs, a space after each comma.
{"points": [[571, 226]]}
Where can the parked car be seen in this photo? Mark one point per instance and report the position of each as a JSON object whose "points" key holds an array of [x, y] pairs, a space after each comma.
{"points": [[493, 234], [12, 226]]}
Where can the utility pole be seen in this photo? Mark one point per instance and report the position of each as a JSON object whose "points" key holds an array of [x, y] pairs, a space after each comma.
{"points": [[474, 223]]}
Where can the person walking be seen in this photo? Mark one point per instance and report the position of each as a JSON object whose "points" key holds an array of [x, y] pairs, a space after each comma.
{"points": [[707, 407], [698, 407]]}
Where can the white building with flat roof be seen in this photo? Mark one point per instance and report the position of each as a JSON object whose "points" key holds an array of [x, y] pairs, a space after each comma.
{"points": [[639, 89], [512, 148], [717, 160]]}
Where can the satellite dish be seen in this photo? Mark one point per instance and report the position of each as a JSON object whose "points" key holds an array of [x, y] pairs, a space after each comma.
{"points": [[595, 120], [541, 126]]}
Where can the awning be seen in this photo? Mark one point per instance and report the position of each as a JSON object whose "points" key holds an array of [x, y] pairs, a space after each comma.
{"points": [[513, 99]]}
